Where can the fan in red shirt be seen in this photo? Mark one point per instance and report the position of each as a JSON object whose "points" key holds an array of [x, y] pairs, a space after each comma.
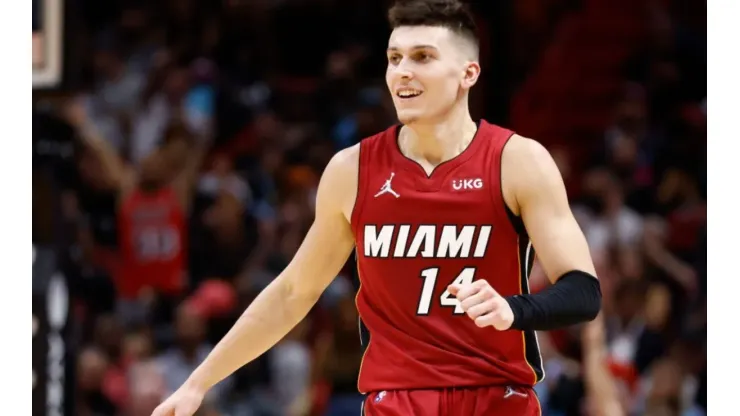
{"points": [[152, 209]]}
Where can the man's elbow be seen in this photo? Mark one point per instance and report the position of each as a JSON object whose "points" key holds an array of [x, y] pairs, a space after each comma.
{"points": [[302, 288], [584, 294], [298, 292]]}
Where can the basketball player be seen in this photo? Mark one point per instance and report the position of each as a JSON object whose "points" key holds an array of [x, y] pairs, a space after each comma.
{"points": [[152, 209], [441, 211]]}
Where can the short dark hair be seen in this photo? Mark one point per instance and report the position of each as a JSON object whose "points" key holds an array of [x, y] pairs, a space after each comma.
{"points": [[451, 14]]}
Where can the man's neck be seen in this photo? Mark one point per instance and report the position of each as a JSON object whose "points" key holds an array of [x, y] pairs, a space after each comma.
{"points": [[436, 143]]}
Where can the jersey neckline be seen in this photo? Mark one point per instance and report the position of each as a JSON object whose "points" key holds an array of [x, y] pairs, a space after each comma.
{"points": [[441, 170]]}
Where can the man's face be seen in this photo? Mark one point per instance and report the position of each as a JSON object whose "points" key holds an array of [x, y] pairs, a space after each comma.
{"points": [[429, 70]]}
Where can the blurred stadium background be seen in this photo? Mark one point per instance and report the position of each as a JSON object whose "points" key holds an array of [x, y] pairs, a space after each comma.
{"points": [[266, 91]]}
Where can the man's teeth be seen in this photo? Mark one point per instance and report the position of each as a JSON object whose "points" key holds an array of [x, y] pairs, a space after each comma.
{"points": [[408, 93]]}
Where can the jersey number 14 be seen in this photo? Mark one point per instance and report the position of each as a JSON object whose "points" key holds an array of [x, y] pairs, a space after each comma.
{"points": [[466, 276]]}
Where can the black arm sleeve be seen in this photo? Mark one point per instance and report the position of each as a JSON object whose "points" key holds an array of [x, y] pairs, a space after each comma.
{"points": [[574, 298]]}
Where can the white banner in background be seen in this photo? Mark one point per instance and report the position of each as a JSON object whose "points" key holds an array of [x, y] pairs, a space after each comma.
{"points": [[48, 46]]}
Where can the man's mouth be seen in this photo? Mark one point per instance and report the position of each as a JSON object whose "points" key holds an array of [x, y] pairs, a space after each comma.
{"points": [[405, 93]]}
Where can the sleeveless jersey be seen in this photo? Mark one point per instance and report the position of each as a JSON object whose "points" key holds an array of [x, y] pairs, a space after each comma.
{"points": [[152, 243], [415, 235]]}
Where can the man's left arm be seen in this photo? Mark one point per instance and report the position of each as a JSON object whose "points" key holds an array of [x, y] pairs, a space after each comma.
{"points": [[534, 189], [540, 197]]}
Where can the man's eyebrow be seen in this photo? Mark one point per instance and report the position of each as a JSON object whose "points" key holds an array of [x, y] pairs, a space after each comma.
{"points": [[415, 47]]}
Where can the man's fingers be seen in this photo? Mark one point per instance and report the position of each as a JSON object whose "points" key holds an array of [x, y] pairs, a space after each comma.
{"points": [[466, 291], [485, 320], [494, 318], [480, 297], [453, 289], [494, 294], [481, 309]]}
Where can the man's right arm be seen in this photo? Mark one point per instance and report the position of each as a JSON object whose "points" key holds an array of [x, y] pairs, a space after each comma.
{"points": [[288, 299], [120, 176]]}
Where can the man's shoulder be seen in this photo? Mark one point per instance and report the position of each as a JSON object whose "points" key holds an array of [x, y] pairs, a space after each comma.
{"points": [[527, 167], [341, 173], [520, 149], [344, 160]]}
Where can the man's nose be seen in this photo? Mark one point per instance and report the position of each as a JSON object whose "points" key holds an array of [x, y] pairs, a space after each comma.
{"points": [[403, 70]]}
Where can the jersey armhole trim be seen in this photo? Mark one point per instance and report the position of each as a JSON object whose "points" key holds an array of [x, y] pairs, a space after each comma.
{"points": [[360, 192], [516, 222]]}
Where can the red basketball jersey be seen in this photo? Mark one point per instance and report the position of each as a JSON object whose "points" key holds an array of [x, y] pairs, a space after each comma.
{"points": [[416, 234], [152, 237]]}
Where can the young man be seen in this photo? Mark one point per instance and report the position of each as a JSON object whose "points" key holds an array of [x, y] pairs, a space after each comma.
{"points": [[441, 211]]}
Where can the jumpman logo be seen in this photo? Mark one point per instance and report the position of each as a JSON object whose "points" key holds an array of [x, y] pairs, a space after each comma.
{"points": [[386, 189], [511, 392]]}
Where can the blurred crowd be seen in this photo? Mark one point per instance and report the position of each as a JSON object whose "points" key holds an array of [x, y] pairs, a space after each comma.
{"points": [[219, 109]]}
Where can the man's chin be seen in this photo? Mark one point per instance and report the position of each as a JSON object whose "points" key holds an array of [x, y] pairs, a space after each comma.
{"points": [[408, 116]]}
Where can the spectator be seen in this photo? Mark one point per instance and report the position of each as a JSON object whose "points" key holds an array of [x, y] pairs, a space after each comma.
{"points": [[606, 220], [91, 369], [290, 363]]}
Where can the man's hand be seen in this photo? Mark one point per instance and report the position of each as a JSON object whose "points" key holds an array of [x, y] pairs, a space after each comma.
{"points": [[184, 402], [484, 305]]}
